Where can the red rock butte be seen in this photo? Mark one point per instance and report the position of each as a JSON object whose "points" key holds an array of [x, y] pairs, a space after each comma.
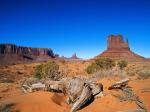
{"points": [[74, 56], [116, 42], [118, 49]]}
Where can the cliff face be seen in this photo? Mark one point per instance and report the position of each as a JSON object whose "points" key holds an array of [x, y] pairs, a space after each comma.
{"points": [[12, 53], [118, 49], [13, 49], [115, 42]]}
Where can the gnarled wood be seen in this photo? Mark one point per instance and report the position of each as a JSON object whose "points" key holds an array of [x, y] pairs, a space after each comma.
{"points": [[119, 84], [77, 89]]}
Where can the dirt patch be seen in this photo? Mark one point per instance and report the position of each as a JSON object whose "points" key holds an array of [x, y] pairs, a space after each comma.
{"points": [[59, 99]]}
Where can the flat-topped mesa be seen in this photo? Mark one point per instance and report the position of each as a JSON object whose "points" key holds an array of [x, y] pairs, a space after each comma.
{"points": [[19, 50], [11, 54], [115, 42]]}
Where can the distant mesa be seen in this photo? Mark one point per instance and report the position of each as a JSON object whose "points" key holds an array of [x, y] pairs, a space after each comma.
{"points": [[10, 53], [73, 57], [118, 49]]}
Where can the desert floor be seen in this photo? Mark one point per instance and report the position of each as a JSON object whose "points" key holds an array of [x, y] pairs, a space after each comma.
{"points": [[10, 92]]}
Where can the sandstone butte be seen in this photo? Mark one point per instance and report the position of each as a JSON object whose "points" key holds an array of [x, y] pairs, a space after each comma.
{"points": [[118, 49], [74, 57]]}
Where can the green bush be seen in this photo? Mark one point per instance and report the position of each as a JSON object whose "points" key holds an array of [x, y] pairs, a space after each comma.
{"points": [[100, 64], [105, 63], [47, 70], [92, 68], [38, 71], [122, 64]]}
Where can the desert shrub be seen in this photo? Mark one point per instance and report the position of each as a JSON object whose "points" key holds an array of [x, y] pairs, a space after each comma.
{"points": [[6, 107], [5, 77], [92, 68], [63, 61], [122, 64], [100, 64], [144, 74], [104, 73], [105, 63], [47, 70], [131, 73], [109, 73], [38, 71], [132, 70], [83, 62]]}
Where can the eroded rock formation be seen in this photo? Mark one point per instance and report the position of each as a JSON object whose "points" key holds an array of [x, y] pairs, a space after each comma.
{"points": [[116, 42], [117, 48], [10, 53], [74, 57], [13, 49]]}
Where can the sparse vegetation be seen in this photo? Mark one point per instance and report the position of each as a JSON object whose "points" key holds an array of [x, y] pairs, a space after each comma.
{"points": [[62, 61], [132, 70], [6, 107], [83, 62], [141, 70], [47, 70], [38, 71], [105, 63], [144, 74], [122, 64], [104, 73], [100, 64], [92, 68]]}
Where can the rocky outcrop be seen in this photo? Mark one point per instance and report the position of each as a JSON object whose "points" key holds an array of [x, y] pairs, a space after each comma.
{"points": [[12, 53], [19, 50], [118, 49], [74, 57], [115, 42]]}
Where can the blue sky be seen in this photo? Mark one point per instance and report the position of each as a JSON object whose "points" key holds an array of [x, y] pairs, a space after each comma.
{"points": [[75, 26]]}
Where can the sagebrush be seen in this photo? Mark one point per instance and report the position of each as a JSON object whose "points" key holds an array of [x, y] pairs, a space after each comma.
{"points": [[100, 64], [122, 64], [47, 70]]}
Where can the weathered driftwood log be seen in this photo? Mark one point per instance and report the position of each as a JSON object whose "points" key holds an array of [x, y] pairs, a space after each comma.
{"points": [[78, 90], [33, 87], [32, 84], [119, 84], [82, 99]]}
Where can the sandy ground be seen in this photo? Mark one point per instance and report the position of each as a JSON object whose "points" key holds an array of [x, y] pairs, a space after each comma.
{"points": [[53, 102]]}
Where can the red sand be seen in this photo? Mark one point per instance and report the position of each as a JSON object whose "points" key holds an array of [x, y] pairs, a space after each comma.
{"points": [[52, 102]]}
